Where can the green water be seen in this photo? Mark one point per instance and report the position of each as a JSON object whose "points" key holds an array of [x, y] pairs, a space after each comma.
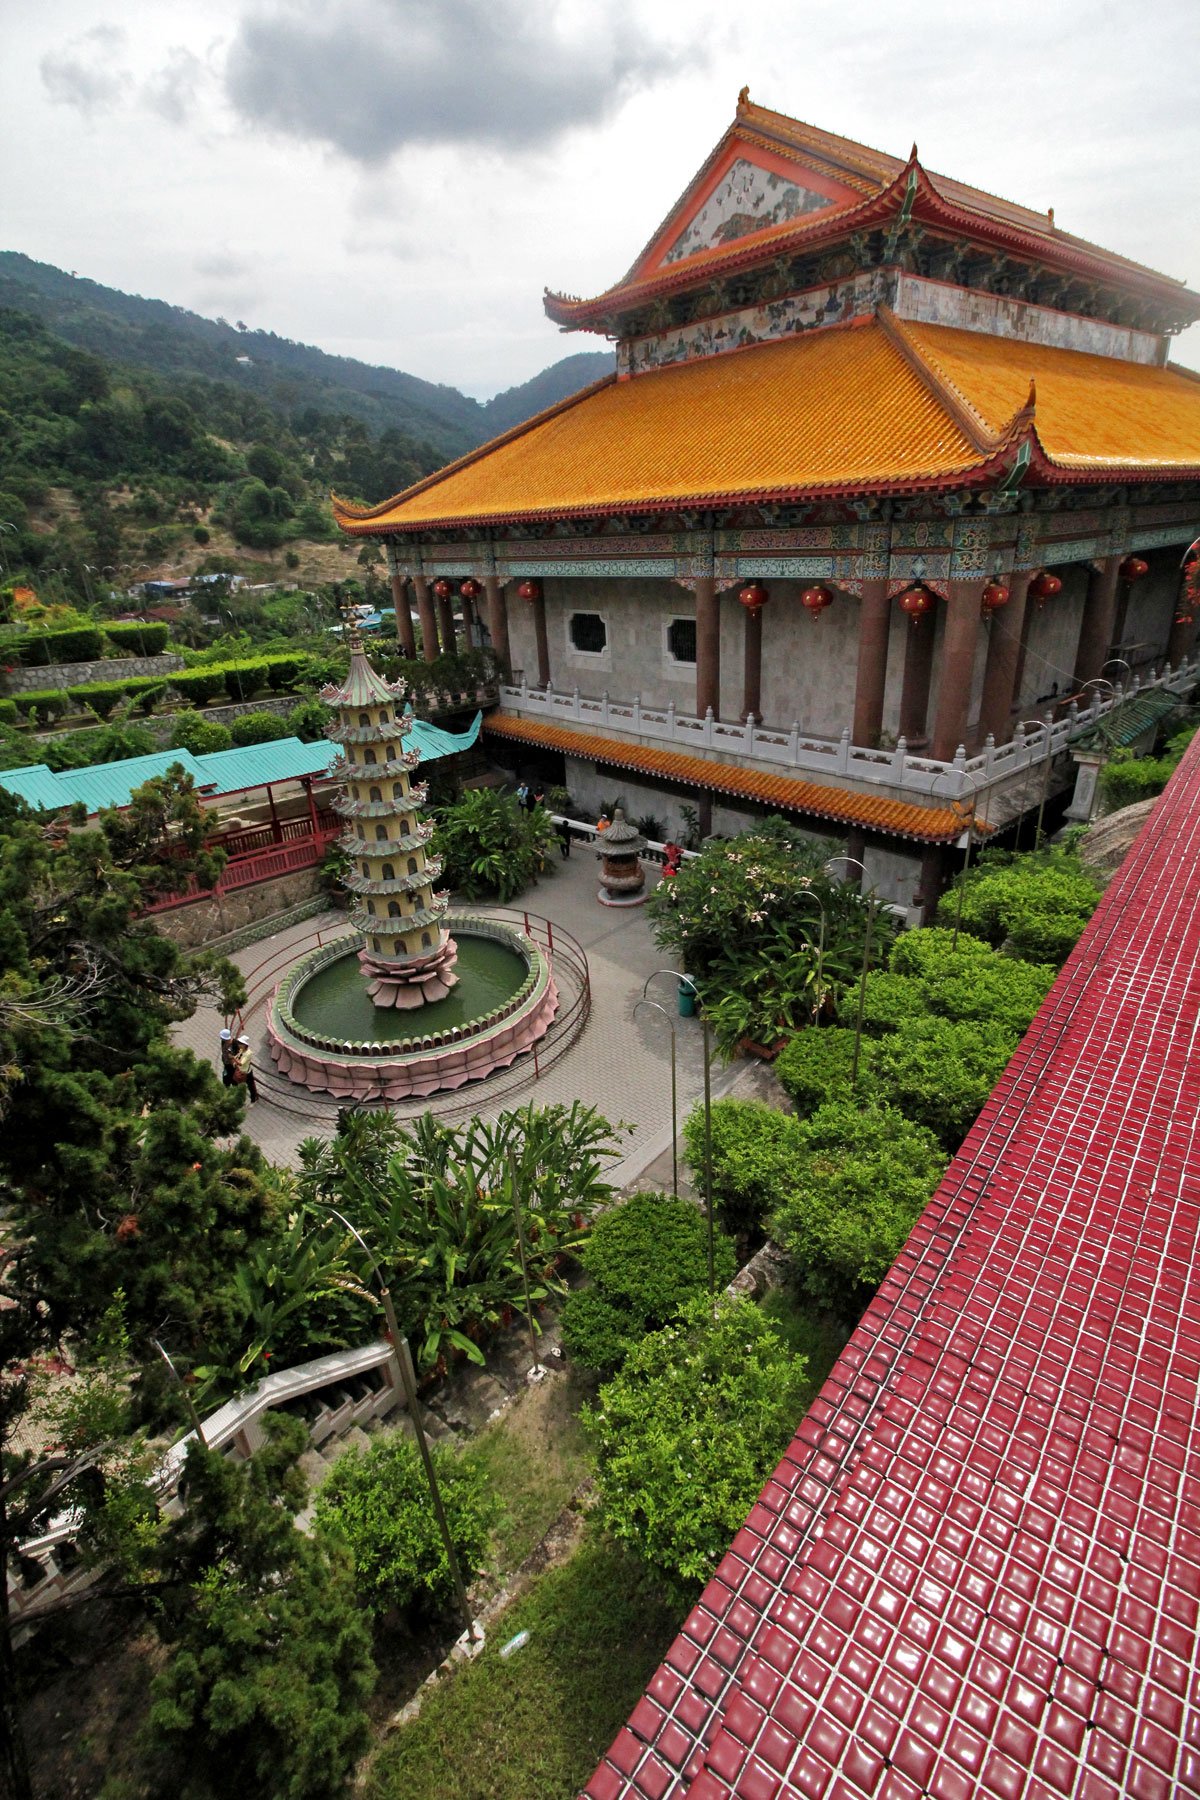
{"points": [[334, 1000]]}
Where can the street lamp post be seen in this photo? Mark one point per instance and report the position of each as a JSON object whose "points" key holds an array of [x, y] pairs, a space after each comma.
{"points": [[682, 980], [659, 1007], [872, 900], [188, 1402], [403, 1360]]}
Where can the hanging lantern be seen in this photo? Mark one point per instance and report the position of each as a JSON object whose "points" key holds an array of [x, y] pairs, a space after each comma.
{"points": [[916, 602], [1133, 568], [1045, 586], [816, 599], [994, 596], [753, 596], [470, 589], [442, 588], [530, 590]]}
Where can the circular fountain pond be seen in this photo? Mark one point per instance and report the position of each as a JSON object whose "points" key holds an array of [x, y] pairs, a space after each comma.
{"points": [[325, 1034]]}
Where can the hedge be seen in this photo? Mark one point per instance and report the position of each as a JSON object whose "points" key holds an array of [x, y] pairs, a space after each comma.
{"points": [[51, 703], [101, 696], [8, 712], [80, 643], [138, 640]]}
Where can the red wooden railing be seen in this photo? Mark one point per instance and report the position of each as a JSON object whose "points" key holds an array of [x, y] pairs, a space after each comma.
{"points": [[263, 865]]}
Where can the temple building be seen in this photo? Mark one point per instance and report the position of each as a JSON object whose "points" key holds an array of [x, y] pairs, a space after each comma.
{"points": [[884, 504]]}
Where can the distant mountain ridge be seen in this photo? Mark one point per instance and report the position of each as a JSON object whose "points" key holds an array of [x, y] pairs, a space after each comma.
{"points": [[171, 340]]}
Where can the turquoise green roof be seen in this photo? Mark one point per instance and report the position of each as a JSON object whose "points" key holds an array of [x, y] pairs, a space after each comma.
{"points": [[219, 772]]}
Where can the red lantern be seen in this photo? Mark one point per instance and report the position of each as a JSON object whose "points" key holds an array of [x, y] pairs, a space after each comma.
{"points": [[470, 589], [1045, 586], [442, 588], [753, 596], [1133, 568], [530, 590], [916, 602], [994, 596], [816, 599]]}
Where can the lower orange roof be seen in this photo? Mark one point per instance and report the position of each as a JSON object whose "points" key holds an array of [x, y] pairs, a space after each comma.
{"points": [[896, 818]]}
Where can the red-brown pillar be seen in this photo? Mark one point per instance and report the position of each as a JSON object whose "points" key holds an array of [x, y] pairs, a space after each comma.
{"points": [[404, 624], [752, 664], [874, 625], [446, 624], [708, 647], [958, 664], [934, 880], [918, 670], [498, 621], [429, 637], [1099, 616], [538, 604], [1004, 653], [468, 612]]}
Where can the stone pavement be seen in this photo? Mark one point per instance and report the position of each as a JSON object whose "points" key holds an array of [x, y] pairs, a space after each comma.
{"points": [[620, 1064]]}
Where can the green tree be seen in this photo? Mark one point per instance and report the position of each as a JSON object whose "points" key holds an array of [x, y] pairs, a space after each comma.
{"points": [[192, 731], [270, 1656], [492, 846], [376, 1501], [688, 1431], [258, 728]]}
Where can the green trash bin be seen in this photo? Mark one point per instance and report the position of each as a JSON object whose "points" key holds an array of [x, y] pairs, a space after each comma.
{"points": [[687, 1002]]}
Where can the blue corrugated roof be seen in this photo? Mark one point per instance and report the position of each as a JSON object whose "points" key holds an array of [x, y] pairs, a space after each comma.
{"points": [[218, 772]]}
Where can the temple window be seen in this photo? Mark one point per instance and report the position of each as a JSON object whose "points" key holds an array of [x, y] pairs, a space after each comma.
{"points": [[371, 908], [398, 792], [588, 633], [376, 793], [393, 909], [389, 872], [681, 640], [364, 718], [381, 834], [391, 752], [370, 758], [384, 716], [426, 940], [374, 943], [405, 828], [412, 865], [367, 870]]}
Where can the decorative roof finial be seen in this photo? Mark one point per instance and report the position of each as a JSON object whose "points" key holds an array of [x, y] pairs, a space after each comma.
{"points": [[351, 628], [912, 155], [1050, 216], [744, 95]]}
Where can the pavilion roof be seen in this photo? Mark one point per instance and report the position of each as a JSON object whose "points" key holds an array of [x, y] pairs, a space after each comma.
{"points": [[976, 1569], [877, 405], [859, 187]]}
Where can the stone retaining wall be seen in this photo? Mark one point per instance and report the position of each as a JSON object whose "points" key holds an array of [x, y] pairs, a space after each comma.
{"points": [[161, 725], [111, 668], [201, 921]]}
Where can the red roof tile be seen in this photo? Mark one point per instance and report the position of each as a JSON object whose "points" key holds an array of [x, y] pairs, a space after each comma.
{"points": [[980, 1555]]}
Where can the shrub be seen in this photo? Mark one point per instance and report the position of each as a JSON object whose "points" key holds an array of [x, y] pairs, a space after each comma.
{"points": [[282, 672], [815, 1067], [1036, 905], [377, 1502], [491, 845], [258, 728], [199, 685], [860, 1182], [78, 643], [1126, 781], [892, 999], [101, 696], [938, 1072], [146, 694], [308, 719], [646, 1258], [45, 703], [201, 736], [8, 712], [970, 982], [688, 1432], [753, 1149], [135, 639]]}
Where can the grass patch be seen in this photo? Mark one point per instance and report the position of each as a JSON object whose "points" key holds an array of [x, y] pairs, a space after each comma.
{"points": [[534, 1726], [534, 1457], [816, 1335]]}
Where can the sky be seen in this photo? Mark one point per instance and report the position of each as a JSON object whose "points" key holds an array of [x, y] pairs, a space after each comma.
{"points": [[399, 180]]}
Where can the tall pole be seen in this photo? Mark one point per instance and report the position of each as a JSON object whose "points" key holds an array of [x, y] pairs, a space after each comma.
{"points": [[403, 1360], [872, 903], [190, 1404], [516, 1204], [674, 1091], [681, 980]]}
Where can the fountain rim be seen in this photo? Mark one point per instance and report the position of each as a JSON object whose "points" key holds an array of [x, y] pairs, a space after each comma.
{"points": [[287, 1029]]}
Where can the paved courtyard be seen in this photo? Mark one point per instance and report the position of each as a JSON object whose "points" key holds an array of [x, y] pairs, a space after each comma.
{"points": [[620, 1063]]}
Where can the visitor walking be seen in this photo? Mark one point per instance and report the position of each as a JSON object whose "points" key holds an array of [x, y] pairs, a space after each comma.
{"points": [[564, 839], [602, 823], [537, 799], [244, 1067], [523, 796], [228, 1054]]}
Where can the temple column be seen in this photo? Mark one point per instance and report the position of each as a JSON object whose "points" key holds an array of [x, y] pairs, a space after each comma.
{"points": [[918, 670], [468, 611], [958, 665], [446, 624], [874, 624], [751, 664], [708, 647], [1099, 616], [1004, 654], [429, 637], [538, 603], [404, 624], [497, 608]]}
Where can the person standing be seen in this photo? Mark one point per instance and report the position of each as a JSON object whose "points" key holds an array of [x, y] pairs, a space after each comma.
{"points": [[245, 1068], [228, 1055], [602, 823], [523, 796], [564, 839]]}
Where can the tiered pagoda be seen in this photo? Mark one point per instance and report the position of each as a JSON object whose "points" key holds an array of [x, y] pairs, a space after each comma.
{"points": [[887, 494], [408, 955]]}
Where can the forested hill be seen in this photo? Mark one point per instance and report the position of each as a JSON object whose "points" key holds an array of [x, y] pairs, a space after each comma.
{"points": [[295, 379]]}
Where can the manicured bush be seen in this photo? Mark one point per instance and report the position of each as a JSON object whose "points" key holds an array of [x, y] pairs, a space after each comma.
{"points": [[815, 1067], [46, 703], [200, 685], [377, 1502], [282, 672], [753, 1149], [646, 1258], [891, 999], [688, 1432], [258, 728], [971, 981], [146, 694], [78, 643], [192, 731], [8, 712], [1125, 782], [101, 696], [859, 1185], [1036, 905], [132, 638], [308, 719]]}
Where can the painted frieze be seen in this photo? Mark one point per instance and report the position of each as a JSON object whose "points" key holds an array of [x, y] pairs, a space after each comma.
{"points": [[746, 199], [969, 309]]}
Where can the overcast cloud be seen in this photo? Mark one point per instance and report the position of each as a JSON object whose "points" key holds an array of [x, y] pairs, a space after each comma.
{"points": [[399, 179]]}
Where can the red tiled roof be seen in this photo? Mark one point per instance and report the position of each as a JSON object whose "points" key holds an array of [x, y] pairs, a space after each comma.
{"points": [[976, 1570], [927, 824]]}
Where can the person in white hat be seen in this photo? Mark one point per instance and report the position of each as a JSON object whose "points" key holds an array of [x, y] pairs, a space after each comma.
{"points": [[228, 1052], [244, 1067]]}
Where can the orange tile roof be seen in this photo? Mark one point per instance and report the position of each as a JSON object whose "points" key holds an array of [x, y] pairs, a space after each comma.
{"points": [[1093, 412], [878, 405], [925, 824], [834, 409]]}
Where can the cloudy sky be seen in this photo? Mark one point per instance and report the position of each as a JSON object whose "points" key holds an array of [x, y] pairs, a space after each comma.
{"points": [[397, 180]]}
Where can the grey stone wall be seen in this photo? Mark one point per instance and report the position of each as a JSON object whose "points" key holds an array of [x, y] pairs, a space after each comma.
{"points": [[113, 668], [200, 923], [161, 725]]}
